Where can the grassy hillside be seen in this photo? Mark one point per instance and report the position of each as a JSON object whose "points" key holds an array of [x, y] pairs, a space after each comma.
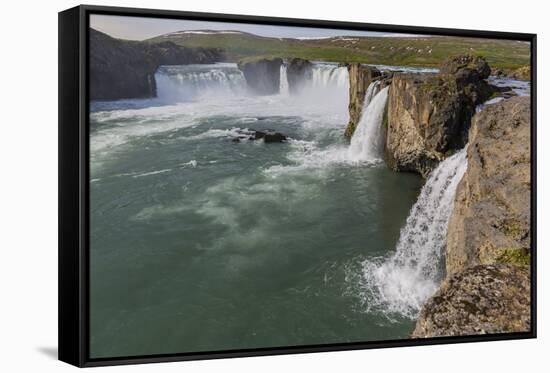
{"points": [[405, 51]]}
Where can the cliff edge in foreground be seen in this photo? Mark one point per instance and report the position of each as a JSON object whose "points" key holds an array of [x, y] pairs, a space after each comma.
{"points": [[487, 288]]}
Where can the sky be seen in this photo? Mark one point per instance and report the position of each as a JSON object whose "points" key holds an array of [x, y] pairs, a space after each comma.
{"points": [[140, 28]]}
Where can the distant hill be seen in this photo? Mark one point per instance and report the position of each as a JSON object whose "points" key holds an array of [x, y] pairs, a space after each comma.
{"points": [[400, 50], [125, 69]]}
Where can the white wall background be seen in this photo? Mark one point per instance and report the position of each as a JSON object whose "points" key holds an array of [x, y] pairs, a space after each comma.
{"points": [[28, 187]]}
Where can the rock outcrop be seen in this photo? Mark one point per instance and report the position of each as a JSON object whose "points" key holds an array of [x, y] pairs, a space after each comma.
{"points": [[491, 217], [429, 115], [487, 288], [262, 76], [360, 77], [484, 299], [126, 69], [522, 73], [298, 72]]}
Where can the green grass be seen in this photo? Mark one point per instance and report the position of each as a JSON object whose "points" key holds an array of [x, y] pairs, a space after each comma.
{"points": [[417, 51], [514, 256]]}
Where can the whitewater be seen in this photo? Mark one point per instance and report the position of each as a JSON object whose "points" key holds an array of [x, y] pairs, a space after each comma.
{"points": [[211, 242]]}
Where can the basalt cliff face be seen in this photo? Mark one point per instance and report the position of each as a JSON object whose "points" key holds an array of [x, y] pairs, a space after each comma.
{"points": [[262, 76], [484, 299], [491, 219], [299, 72], [360, 77], [487, 288], [429, 115], [126, 69]]}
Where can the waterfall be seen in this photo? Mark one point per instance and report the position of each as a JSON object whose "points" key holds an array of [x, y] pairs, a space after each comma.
{"points": [[327, 75], [187, 82], [368, 139], [283, 84], [401, 283]]}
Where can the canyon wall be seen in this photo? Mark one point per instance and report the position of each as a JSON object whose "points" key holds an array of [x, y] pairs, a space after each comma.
{"points": [[429, 115], [262, 76], [488, 251], [299, 72], [126, 69], [360, 77]]}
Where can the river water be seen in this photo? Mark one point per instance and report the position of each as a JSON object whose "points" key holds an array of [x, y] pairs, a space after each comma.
{"points": [[203, 243]]}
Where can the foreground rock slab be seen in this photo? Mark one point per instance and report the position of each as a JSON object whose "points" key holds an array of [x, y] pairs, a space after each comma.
{"points": [[488, 251], [484, 299], [491, 221]]}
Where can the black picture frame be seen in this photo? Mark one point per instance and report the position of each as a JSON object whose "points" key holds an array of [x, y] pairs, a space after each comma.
{"points": [[74, 184]]}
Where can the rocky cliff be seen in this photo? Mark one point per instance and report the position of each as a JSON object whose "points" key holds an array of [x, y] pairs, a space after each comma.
{"points": [[126, 69], [487, 288], [485, 299], [299, 72], [429, 115], [491, 219], [262, 76], [360, 77]]}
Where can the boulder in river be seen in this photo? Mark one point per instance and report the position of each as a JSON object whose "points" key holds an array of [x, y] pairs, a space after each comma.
{"points": [[268, 136]]}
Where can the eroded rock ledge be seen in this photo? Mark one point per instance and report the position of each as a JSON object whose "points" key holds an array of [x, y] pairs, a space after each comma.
{"points": [[299, 72], [429, 115], [360, 77], [126, 69], [262, 76], [487, 288], [484, 299], [491, 217]]}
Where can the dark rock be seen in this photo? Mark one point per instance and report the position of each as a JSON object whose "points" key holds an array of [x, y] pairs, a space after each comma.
{"points": [[467, 67], [268, 136], [299, 72], [484, 299], [126, 69], [274, 137], [262, 76], [259, 135], [429, 115], [360, 77], [522, 73]]}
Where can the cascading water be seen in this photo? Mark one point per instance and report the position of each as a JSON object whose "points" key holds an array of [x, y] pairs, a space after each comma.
{"points": [[188, 82], [283, 85], [367, 141], [399, 285], [329, 75]]}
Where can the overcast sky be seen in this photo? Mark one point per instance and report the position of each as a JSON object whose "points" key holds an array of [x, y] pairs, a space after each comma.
{"points": [[140, 28]]}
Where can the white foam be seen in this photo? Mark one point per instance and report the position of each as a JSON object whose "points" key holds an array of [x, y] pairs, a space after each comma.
{"points": [[283, 80], [367, 141], [398, 285], [153, 172], [192, 163]]}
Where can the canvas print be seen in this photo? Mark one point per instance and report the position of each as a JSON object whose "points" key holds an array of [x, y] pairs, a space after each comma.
{"points": [[260, 186]]}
